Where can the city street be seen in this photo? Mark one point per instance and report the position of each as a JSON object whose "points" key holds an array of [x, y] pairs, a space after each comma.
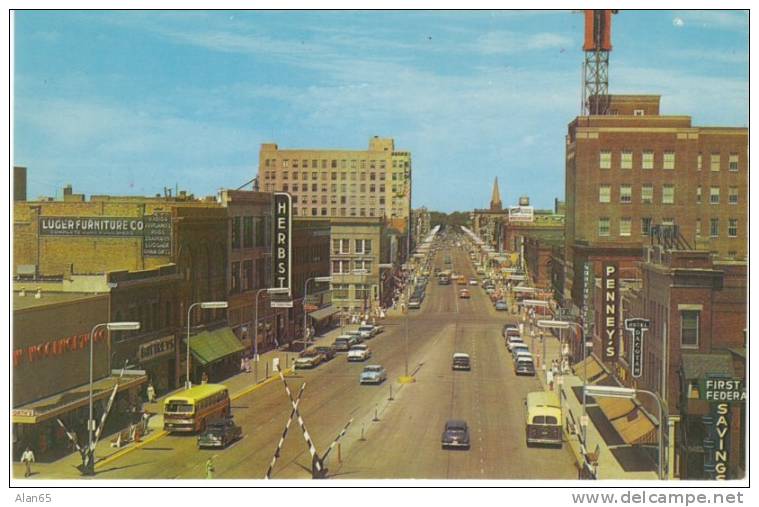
{"points": [[405, 442]]}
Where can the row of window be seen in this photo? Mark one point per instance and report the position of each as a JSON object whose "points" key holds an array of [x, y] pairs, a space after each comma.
{"points": [[625, 226], [362, 176], [343, 199], [340, 291], [333, 163], [666, 161], [343, 188], [247, 275], [667, 194], [249, 232], [347, 267], [342, 212], [343, 246]]}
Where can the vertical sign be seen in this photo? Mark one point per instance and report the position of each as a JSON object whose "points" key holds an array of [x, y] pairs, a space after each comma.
{"points": [[282, 240], [717, 441], [638, 327], [610, 287], [589, 285]]}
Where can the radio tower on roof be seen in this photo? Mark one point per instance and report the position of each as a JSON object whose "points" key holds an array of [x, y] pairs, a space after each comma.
{"points": [[595, 68]]}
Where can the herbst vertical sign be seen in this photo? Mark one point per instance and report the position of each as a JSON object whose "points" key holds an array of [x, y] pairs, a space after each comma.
{"points": [[610, 288], [282, 240]]}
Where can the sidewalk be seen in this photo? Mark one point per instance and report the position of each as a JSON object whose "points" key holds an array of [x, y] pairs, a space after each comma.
{"points": [[106, 454], [566, 385]]}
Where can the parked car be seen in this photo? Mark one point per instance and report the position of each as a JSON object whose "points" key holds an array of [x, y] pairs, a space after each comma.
{"points": [[513, 340], [455, 434], [373, 374], [344, 342], [473, 281], [522, 354], [378, 330], [359, 352], [309, 358], [461, 361], [519, 347], [524, 366], [328, 351], [367, 331], [501, 305], [464, 294], [219, 433]]}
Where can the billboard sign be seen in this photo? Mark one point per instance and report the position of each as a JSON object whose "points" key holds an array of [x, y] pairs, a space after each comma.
{"points": [[282, 271], [521, 213], [610, 287]]}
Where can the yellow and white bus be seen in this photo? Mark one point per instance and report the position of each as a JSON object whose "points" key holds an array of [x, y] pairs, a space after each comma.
{"points": [[188, 410], [544, 424]]}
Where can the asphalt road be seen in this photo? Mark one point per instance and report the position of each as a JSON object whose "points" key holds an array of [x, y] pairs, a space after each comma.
{"points": [[405, 441]]}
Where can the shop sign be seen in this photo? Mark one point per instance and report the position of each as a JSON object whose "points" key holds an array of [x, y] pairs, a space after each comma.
{"points": [[589, 285], [717, 441], [156, 348], [638, 327], [610, 287], [23, 412], [55, 348], [282, 240], [722, 389], [521, 214], [155, 230]]}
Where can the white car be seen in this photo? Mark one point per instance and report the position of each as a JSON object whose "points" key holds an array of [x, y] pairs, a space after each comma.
{"points": [[367, 331], [511, 341], [359, 352], [523, 354], [519, 347]]}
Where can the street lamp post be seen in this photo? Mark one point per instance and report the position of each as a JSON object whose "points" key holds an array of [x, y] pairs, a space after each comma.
{"points": [[629, 393], [202, 304], [317, 279], [89, 465], [269, 291]]}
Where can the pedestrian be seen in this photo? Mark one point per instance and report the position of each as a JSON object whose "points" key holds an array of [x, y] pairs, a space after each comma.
{"points": [[549, 379], [209, 468], [27, 458], [204, 378], [151, 393], [242, 364], [247, 364]]}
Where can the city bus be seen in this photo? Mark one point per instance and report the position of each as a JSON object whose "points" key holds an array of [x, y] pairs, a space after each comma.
{"points": [[189, 410], [543, 419]]}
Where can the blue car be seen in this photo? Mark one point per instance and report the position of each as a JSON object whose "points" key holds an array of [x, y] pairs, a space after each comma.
{"points": [[501, 305], [373, 374]]}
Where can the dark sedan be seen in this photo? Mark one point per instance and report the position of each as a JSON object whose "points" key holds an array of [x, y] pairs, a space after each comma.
{"points": [[328, 351], [455, 434], [220, 433]]}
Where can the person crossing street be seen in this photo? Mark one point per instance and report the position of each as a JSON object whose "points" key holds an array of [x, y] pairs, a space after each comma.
{"points": [[27, 458]]}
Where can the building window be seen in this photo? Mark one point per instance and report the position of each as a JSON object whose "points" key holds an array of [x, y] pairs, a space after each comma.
{"points": [[340, 291], [285, 163], [669, 160], [625, 226], [714, 162], [698, 227], [647, 161], [295, 163], [604, 161], [639, 112], [340, 267], [698, 194], [364, 246], [362, 291], [627, 160], [235, 278], [732, 197], [364, 266], [236, 232], [604, 226], [645, 226], [732, 227], [341, 246], [247, 275], [714, 227], [733, 162], [285, 187], [625, 194], [668, 194], [714, 195], [647, 194], [689, 320], [333, 164], [333, 176], [699, 162], [247, 232]]}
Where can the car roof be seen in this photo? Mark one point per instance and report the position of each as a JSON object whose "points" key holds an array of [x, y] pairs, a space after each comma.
{"points": [[461, 354], [373, 367], [455, 423], [515, 337]]}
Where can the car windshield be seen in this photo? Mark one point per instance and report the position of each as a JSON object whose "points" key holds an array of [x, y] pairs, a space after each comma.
{"points": [[365, 328], [372, 369]]}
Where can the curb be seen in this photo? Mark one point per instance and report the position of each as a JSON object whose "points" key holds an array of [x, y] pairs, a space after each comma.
{"points": [[161, 433]]}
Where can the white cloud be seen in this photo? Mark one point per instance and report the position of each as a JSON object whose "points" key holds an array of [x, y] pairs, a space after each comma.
{"points": [[723, 20]]}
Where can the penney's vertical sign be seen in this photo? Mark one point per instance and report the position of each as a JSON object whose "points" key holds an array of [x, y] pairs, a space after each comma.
{"points": [[282, 240], [610, 287]]}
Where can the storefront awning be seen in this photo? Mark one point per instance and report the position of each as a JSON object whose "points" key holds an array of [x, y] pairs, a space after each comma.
{"points": [[635, 427], [615, 407], [592, 365], [210, 346], [53, 406], [323, 313]]}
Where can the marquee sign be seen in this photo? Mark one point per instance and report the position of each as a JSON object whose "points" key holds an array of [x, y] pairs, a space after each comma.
{"points": [[610, 287], [282, 240], [155, 229], [638, 327]]}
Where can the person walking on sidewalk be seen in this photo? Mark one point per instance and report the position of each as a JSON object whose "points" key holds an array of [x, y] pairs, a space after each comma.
{"points": [[210, 468], [27, 458], [151, 393], [549, 379]]}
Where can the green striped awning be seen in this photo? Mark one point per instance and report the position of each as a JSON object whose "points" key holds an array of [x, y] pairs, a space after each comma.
{"points": [[210, 346]]}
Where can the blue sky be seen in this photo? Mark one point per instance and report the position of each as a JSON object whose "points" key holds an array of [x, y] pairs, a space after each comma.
{"points": [[130, 102]]}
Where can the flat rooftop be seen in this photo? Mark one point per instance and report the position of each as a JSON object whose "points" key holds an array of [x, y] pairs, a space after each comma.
{"points": [[48, 298]]}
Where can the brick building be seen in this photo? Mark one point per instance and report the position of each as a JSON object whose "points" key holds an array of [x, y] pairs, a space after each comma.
{"points": [[635, 168]]}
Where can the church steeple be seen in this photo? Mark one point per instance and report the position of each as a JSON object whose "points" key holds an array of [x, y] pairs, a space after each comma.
{"points": [[495, 199]]}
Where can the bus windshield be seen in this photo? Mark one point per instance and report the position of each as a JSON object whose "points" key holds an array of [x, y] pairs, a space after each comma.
{"points": [[178, 407]]}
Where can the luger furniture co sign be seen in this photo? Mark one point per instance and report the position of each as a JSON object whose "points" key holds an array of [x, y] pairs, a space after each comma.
{"points": [[282, 240], [610, 287], [155, 230]]}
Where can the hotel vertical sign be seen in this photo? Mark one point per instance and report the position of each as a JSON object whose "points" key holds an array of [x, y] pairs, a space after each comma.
{"points": [[610, 287], [282, 271], [638, 327]]}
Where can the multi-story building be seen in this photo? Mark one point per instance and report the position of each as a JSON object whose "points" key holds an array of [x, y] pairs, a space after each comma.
{"points": [[635, 168], [356, 256], [486, 223], [340, 183], [421, 223], [311, 259]]}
